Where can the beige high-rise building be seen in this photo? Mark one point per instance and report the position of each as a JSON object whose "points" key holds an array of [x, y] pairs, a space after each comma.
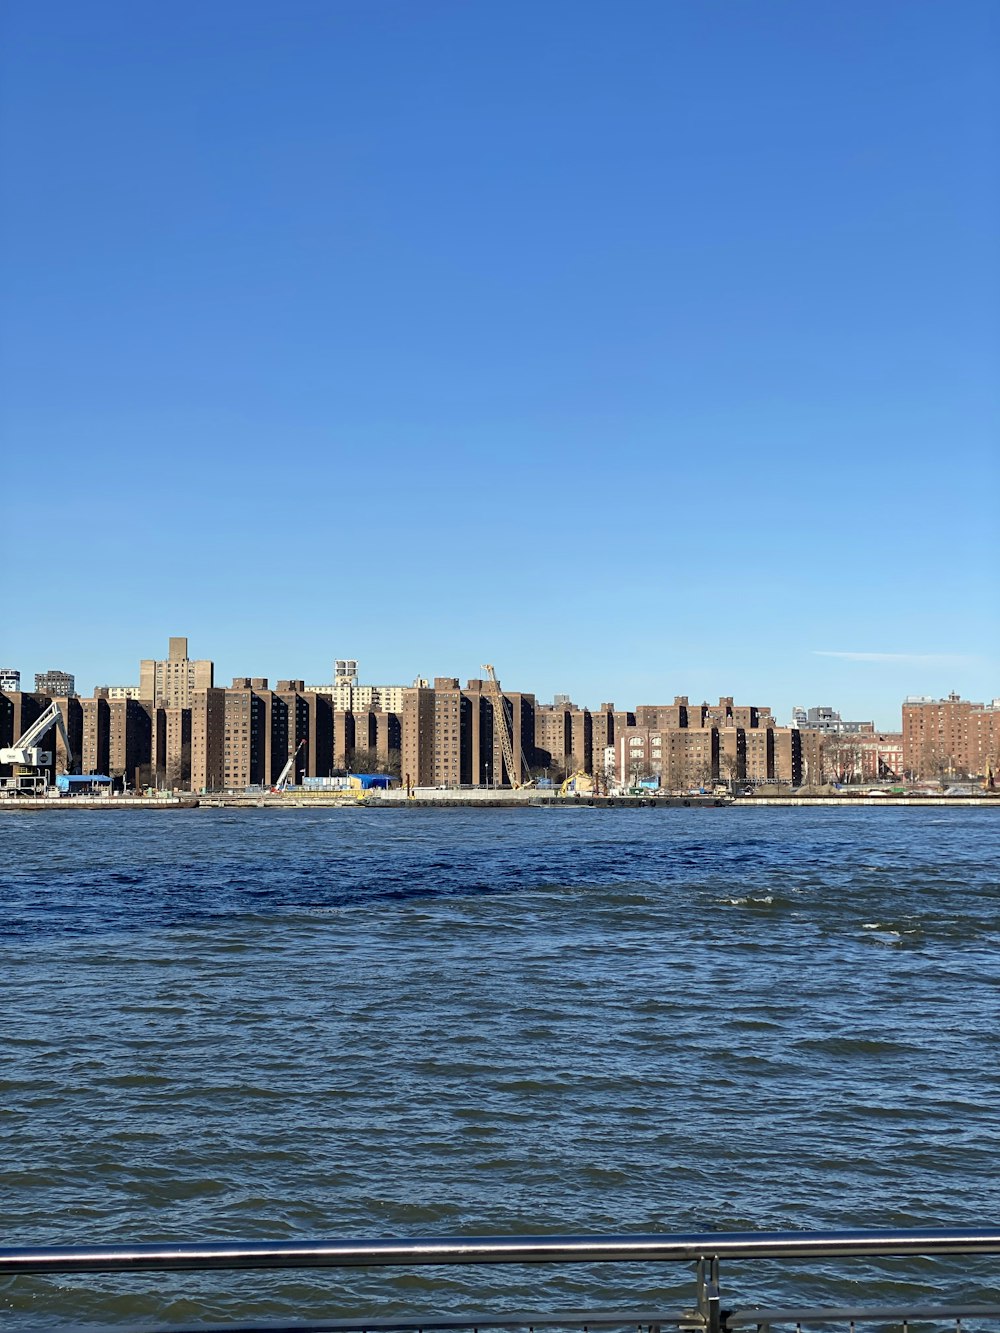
{"points": [[171, 683], [347, 696]]}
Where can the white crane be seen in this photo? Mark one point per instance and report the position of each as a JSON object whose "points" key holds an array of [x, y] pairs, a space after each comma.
{"points": [[26, 752], [282, 782]]}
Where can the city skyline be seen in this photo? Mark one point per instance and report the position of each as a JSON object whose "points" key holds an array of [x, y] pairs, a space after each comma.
{"points": [[181, 729], [639, 349], [664, 691]]}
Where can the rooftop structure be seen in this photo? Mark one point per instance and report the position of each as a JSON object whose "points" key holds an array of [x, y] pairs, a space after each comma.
{"points": [[825, 719]]}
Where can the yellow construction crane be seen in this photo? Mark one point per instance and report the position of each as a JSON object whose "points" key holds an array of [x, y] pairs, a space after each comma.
{"points": [[503, 726]]}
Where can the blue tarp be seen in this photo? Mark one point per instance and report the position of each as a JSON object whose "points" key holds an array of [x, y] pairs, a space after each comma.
{"points": [[69, 781]]}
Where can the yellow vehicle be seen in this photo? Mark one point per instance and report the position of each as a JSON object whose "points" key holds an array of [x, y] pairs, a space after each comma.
{"points": [[578, 784]]}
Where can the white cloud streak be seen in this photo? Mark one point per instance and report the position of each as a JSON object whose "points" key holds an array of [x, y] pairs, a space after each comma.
{"points": [[927, 659]]}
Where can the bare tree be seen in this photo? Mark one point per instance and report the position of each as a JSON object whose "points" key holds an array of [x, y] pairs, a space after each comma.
{"points": [[730, 764], [363, 760], [842, 757], [936, 762]]}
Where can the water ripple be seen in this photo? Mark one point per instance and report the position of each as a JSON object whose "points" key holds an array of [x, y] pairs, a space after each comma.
{"points": [[357, 1022]]}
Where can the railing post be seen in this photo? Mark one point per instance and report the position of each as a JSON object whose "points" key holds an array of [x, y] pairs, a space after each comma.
{"points": [[709, 1297]]}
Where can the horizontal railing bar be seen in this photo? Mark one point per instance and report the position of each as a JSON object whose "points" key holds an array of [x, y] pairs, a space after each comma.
{"points": [[575, 1319], [860, 1314], [174, 1257]]}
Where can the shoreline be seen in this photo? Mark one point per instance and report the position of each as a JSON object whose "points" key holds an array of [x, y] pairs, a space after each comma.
{"points": [[492, 801]]}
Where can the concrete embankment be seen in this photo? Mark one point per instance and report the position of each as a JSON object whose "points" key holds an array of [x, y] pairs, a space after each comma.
{"points": [[533, 800], [951, 802], [99, 803], [471, 800], [492, 800]]}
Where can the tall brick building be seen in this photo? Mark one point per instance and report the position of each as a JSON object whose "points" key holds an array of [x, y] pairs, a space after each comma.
{"points": [[687, 745], [951, 737]]}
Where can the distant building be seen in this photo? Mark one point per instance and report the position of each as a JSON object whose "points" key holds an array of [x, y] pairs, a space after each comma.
{"points": [[826, 720], [564, 737], [58, 684], [684, 745], [243, 747], [949, 738], [118, 691], [10, 681], [208, 740], [347, 696], [129, 737], [881, 756], [96, 735], [171, 683], [863, 756]]}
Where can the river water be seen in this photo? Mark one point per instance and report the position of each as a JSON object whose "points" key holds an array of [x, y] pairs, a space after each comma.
{"points": [[281, 1024]]}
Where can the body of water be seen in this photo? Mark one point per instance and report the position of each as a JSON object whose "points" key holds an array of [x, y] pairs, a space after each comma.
{"points": [[278, 1024]]}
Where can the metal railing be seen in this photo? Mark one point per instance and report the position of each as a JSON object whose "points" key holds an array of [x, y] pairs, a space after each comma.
{"points": [[704, 1250]]}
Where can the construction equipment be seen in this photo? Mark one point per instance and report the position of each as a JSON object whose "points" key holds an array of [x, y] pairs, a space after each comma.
{"points": [[27, 755], [579, 783], [502, 723], [282, 782]]}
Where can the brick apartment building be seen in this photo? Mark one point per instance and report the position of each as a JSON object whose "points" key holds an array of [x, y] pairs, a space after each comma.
{"points": [[684, 745], [449, 735], [950, 738], [564, 737]]}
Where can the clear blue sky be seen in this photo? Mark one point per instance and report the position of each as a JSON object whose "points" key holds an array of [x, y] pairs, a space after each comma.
{"points": [[640, 347]]}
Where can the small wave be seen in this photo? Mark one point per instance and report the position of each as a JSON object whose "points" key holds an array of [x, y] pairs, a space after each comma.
{"points": [[850, 1046], [758, 900], [891, 937]]}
